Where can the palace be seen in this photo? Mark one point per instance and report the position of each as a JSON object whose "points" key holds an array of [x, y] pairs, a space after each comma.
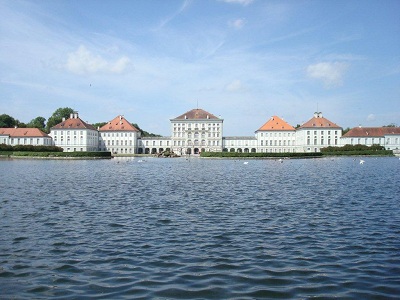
{"points": [[200, 131]]}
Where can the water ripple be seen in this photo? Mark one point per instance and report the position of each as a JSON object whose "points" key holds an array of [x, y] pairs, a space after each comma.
{"points": [[200, 229]]}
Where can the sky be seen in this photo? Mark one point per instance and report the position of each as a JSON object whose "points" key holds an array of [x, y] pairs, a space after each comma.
{"points": [[241, 60]]}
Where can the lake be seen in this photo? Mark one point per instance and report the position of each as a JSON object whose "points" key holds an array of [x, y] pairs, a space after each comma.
{"points": [[200, 228]]}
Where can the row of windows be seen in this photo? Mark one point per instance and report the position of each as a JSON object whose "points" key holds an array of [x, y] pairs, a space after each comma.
{"points": [[68, 142], [115, 142], [276, 134], [196, 135], [116, 134], [26, 141], [75, 132], [196, 143], [278, 143], [279, 150], [196, 125], [321, 132], [160, 143], [374, 140], [322, 141]]}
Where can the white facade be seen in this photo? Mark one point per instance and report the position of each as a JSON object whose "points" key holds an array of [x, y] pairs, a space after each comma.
{"points": [[392, 141], [154, 145], [388, 137], [119, 136], [317, 133], [313, 139], [240, 144], [196, 131], [276, 141], [24, 136], [74, 134]]}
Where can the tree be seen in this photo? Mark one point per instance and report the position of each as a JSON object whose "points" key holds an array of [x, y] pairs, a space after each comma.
{"points": [[99, 125], [38, 122], [345, 130], [145, 133], [7, 121], [57, 117], [390, 125]]}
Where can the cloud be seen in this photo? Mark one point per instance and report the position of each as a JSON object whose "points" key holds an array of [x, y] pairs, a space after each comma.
{"points": [[237, 24], [83, 61], [183, 7], [330, 73], [235, 86], [371, 117], [242, 2]]}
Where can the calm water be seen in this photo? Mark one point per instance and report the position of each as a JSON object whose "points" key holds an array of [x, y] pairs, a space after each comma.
{"points": [[200, 229]]}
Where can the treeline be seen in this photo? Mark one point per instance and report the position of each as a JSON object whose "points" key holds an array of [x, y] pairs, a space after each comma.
{"points": [[29, 148], [7, 121]]}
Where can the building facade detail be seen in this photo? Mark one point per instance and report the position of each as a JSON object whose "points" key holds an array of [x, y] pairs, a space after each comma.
{"points": [[388, 137], [73, 134], [197, 131], [24, 136], [119, 137], [276, 135], [317, 133]]}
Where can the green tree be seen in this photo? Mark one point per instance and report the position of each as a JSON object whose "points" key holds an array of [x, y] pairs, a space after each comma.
{"points": [[345, 130], [7, 121], [145, 133], [57, 117], [390, 125], [99, 125], [38, 122]]}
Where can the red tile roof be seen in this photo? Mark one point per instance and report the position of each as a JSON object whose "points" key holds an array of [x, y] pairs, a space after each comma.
{"points": [[119, 123], [318, 121], [372, 131], [73, 123], [23, 132], [276, 123], [197, 114]]}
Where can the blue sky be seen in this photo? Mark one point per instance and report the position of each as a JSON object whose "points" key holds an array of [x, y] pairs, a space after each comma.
{"points": [[242, 60]]}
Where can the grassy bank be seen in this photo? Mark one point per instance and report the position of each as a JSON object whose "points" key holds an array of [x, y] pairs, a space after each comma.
{"points": [[29, 154], [259, 155]]}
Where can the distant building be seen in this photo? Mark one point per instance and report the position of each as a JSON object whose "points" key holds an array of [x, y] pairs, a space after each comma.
{"points": [[239, 144], [119, 137], [388, 137], [74, 134], [24, 136], [199, 131], [276, 135], [317, 133], [196, 131], [154, 144]]}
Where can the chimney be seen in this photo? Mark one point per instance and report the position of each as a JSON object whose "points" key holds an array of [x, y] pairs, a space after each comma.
{"points": [[63, 119], [71, 116]]}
